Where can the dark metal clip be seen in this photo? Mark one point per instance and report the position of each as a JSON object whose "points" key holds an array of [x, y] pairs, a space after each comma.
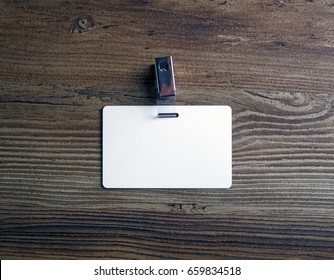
{"points": [[166, 90]]}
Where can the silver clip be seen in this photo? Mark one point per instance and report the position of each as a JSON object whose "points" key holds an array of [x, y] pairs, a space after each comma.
{"points": [[166, 90]]}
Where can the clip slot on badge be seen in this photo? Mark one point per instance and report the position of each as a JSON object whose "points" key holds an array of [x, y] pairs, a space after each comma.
{"points": [[166, 90]]}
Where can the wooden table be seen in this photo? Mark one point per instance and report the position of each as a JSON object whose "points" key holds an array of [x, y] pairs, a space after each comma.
{"points": [[63, 61]]}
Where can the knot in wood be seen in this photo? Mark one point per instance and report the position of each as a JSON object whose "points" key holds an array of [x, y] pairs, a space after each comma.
{"points": [[84, 24]]}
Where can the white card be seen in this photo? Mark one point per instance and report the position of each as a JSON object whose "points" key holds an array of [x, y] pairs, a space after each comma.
{"points": [[141, 150]]}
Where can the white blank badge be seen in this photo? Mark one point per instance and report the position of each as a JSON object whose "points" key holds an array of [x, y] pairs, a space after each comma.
{"points": [[141, 150]]}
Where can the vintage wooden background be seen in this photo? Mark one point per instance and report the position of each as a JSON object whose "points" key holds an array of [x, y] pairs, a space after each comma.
{"points": [[271, 61]]}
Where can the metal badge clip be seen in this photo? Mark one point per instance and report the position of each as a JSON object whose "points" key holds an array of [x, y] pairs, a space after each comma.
{"points": [[166, 90]]}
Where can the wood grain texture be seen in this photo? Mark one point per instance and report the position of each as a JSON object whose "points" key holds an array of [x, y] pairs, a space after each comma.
{"points": [[271, 61]]}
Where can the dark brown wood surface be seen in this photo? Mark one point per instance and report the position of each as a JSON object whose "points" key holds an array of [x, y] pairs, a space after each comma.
{"points": [[271, 61]]}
